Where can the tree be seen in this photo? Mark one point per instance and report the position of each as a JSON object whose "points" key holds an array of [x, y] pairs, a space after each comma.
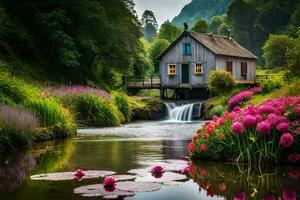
{"points": [[215, 24], [200, 26], [149, 24], [168, 31], [293, 56], [275, 49], [157, 47]]}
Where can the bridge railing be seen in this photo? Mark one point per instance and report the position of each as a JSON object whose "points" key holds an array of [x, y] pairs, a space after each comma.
{"points": [[142, 81]]}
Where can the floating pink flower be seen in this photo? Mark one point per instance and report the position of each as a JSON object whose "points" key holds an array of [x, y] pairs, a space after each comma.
{"points": [[237, 128], [240, 196], [79, 174], [286, 140], [289, 194], [249, 121], [283, 127], [157, 171], [109, 184], [263, 128]]}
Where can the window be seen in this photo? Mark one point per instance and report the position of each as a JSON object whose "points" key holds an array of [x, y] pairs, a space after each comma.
{"points": [[229, 66], [198, 69], [186, 49], [172, 69], [244, 70]]}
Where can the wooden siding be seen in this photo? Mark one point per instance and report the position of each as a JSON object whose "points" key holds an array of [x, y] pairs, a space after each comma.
{"points": [[200, 54], [221, 62]]}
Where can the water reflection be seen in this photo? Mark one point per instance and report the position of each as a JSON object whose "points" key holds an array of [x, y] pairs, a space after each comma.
{"points": [[14, 170], [234, 182]]}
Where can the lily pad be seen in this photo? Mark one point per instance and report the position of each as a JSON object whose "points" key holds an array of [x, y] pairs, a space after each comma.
{"points": [[131, 186], [165, 178], [63, 176], [124, 177], [97, 190]]}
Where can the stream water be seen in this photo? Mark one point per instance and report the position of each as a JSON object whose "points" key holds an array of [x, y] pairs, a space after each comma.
{"points": [[138, 146]]}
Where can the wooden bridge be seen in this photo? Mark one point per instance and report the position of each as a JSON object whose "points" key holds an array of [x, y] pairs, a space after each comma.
{"points": [[135, 83]]}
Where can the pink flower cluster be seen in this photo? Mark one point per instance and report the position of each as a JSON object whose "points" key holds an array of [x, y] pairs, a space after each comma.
{"points": [[75, 90], [243, 96], [274, 118]]}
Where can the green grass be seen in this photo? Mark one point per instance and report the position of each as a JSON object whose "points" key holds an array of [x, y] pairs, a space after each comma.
{"points": [[92, 110], [122, 102], [53, 116]]}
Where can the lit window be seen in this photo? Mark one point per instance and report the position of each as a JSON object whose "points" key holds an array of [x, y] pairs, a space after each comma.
{"points": [[172, 69], [186, 49], [198, 69]]}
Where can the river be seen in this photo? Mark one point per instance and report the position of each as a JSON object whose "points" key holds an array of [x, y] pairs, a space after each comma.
{"points": [[139, 145]]}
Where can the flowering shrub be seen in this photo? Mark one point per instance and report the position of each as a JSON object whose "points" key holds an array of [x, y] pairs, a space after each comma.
{"points": [[243, 96], [265, 133], [76, 90]]}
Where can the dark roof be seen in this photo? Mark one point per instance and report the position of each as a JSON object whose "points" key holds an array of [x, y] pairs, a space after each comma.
{"points": [[219, 45]]}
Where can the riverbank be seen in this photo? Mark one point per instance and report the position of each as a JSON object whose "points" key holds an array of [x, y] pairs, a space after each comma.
{"points": [[32, 112]]}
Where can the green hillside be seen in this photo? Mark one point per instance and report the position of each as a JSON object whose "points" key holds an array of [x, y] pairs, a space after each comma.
{"points": [[197, 9]]}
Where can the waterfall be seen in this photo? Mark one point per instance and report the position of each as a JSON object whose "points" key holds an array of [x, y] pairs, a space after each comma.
{"points": [[182, 112]]}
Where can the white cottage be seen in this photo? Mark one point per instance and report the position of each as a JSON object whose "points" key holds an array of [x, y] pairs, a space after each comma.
{"points": [[188, 61]]}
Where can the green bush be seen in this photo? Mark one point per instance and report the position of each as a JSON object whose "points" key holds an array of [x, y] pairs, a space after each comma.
{"points": [[122, 102], [220, 82], [53, 116], [272, 84], [92, 110], [149, 93], [217, 111], [13, 90]]}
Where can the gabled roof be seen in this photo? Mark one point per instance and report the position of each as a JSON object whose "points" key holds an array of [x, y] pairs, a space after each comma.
{"points": [[219, 45]]}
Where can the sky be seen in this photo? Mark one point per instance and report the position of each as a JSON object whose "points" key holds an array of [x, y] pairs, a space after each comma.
{"points": [[162, 9]]}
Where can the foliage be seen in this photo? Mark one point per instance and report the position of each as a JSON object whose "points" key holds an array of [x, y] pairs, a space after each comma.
{"points": [[204, 9], [17, 128], [268, 133], [168, 32], [243, 97], [293, 56], [53, 116], [217, 111], [251, 22], [142, 65], [149, 24], [122, 102], [220, 82], [70, 40], [149, 93], [157, 47], [272, 84], [93, 110], [14, 90], [200, 26], [275, 49]]}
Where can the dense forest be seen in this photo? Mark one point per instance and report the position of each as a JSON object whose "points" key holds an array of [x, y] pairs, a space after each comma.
{"points": [[70, 41], [249, 22]]}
